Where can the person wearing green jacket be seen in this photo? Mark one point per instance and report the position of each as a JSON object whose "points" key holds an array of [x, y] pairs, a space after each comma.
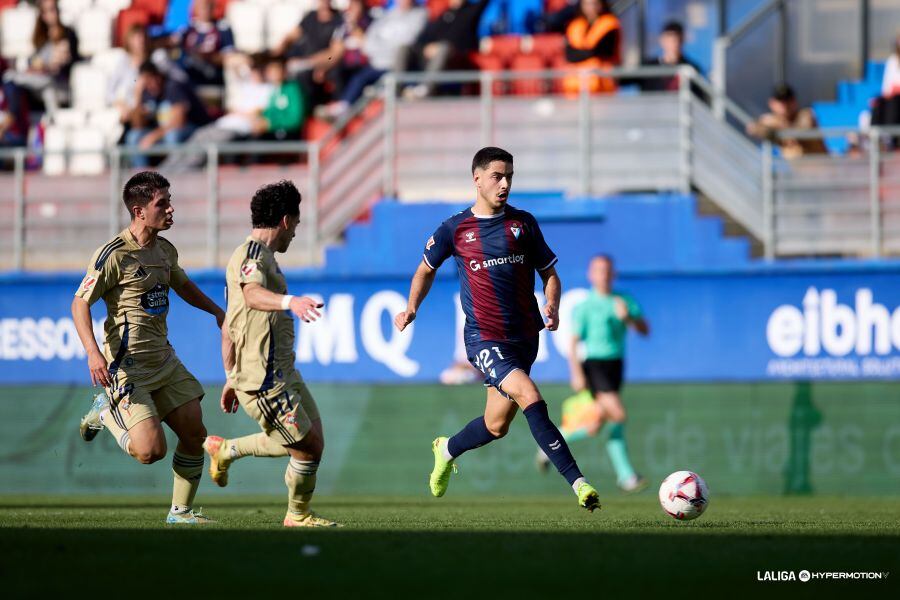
{"points": [[283, 116]]}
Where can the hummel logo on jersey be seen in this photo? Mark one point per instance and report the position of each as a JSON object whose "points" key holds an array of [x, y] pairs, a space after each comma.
{"points": [[470, 236], [555, 446], [516, 230]]}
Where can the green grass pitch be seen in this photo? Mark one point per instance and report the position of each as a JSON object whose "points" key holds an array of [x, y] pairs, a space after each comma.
{"points": [[453, 547]]}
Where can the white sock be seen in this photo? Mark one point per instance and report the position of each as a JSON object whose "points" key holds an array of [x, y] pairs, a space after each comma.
{"points": [[578, 482], [179, 510], [445, 452]]}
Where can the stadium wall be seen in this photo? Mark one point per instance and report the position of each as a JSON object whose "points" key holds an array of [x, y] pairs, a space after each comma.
{"points": [[784, 321], [766, 438]]}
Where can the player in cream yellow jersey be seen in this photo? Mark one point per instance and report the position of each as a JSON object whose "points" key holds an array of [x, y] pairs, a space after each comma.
{"points": [[146, 384], [258, 353]]}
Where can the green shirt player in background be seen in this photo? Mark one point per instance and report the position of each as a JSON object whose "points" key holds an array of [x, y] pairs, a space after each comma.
{"points": [[146, 384], [601, 323]]}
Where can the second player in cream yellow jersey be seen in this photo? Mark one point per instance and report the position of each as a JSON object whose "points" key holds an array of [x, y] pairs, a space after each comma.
{"points": [[263, 340], [258, 355]]}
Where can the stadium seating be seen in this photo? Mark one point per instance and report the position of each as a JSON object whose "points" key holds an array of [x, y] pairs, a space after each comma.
{"points": [[94, 29], [853, 97], [70, 10], [247, 21], [126, 19], [673, 234], [89, 85], [281, 18], [16, 27]]}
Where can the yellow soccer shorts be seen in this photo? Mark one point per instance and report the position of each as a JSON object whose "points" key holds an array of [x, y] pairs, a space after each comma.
{"points": [[137, 397], [285, 412]]}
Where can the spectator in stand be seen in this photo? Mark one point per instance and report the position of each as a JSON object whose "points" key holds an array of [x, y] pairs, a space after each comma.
{"points": [[347, 53], [283, 116], [446, 42], [166, 111], [785, 113], [13, 114], [886, 108], [123, 78], [308, 50], [387, 41], [592, 42], [56, 49], [556, 22], [671, 44], [243, 120], [203, 45]]}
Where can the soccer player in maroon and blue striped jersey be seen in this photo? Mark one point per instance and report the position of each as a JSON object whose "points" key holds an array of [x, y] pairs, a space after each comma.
{"points": [[497, 249]]}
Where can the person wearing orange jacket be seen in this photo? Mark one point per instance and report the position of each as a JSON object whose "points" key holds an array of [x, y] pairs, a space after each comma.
{"points": [[592, 42]]}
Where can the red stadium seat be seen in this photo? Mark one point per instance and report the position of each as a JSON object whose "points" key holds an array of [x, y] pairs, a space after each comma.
{"points": [[155, 9], [552, 6], [489, 62], [549, 46], [219, 8], [125, 20], [531, 86], [8, 3], [436, 8], [504, 47]]}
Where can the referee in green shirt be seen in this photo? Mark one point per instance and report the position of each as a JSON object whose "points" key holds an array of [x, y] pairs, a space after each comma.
{"points": [[601, 323]]}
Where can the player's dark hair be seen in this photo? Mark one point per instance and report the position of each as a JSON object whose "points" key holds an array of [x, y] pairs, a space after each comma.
{"points": [[486, 156], [274, 201], [141, 188]]}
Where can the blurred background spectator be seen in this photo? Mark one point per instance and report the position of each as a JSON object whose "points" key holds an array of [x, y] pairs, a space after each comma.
{"points": [[386, 44], [785, 113], [592, 42], [308, 50], [671, 54], [243, 120], [886, 108], [347, 55], [124, 75], [55, 50], [283, 115], [446, 43], [13, 113], [202, 45], [166, 111]]}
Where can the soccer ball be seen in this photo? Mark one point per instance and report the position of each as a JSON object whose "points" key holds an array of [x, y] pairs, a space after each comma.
{"points": [[684, 495]]}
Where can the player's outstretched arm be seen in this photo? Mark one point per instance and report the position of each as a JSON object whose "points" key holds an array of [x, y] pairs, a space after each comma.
{"points": [[81, 316], [194, 296], [552, 292], [259, 298], [418, 289]]}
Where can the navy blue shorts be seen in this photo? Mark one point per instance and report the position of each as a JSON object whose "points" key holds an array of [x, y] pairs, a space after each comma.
{"points": [[498, 359]]}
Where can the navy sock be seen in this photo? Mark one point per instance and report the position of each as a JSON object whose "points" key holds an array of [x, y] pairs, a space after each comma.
{"points": [[551, 441], [474, 435]]}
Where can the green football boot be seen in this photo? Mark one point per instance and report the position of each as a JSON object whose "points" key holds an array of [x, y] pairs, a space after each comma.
{"points": [[440, 475]]}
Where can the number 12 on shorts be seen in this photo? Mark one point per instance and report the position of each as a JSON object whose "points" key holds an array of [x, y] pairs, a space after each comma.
{"points": [[483, 359]]}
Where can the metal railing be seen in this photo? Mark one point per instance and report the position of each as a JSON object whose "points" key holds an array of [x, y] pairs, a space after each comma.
{"points": [[580, 143]]}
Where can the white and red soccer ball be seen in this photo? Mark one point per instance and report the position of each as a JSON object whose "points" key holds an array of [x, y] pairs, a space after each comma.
{"points": [[684, 495]]}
